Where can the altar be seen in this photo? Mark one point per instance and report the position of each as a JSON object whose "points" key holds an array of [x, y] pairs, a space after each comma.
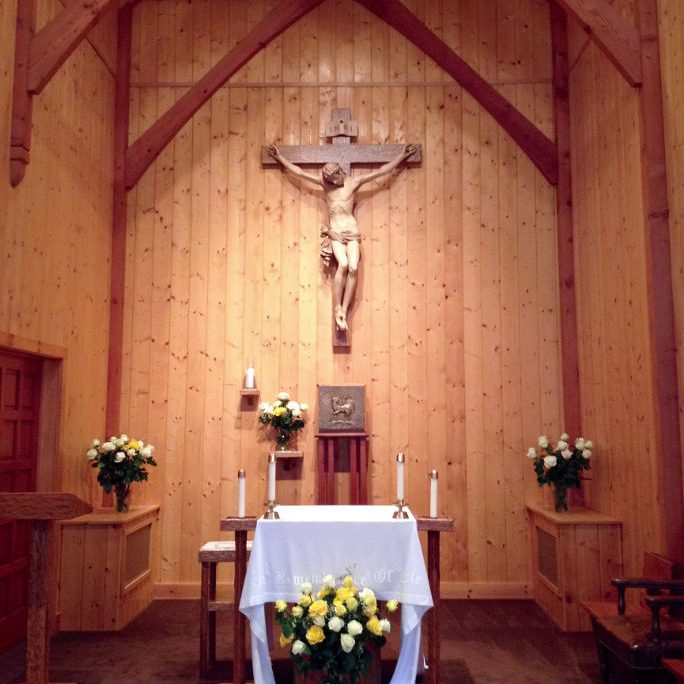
{"points": [[309, 542]]}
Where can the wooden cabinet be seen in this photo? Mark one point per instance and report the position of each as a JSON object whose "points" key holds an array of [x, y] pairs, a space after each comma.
{"points": [[575, 554], [106, 577]]}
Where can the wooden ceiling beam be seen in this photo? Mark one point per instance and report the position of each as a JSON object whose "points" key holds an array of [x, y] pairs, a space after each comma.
{"points": [[148, 146], [55, 42], [616, 37], [540, 149]]}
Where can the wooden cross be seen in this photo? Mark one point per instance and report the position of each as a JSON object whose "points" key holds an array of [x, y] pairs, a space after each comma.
{"points": [[341, 129]]}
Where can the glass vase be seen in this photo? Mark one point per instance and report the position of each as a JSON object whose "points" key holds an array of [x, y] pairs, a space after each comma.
{"points": [[560, 497], [283, 441], [122, 493]]}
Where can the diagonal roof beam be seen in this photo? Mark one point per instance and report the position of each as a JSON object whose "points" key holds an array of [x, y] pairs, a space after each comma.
{"points": [[615, 36], [148, 146], [529, 138], [55, 42]]}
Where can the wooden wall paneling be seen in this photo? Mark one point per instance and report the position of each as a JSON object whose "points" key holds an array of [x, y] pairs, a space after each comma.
{"points": [[326, 29], [380, 288], [308, 278], [141, 289], [253, 295], [487, 48], [417, 299], [400, 227], [290, 198], [494, 464], [308, 56], [160, 321], [432, 16], [255, 66], [507, 20], [178, 353], [362, 45], [528, 314], [472, 339], [452, 472], [234, 457], [214, 506], [344, 42], [237, 29], [437, 329], [511, 370], [415, 58], [379, 53], [547, 287]]}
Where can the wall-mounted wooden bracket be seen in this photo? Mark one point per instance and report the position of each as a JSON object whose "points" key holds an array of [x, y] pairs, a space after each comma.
{"points": [[37, 59], [20, 135]]}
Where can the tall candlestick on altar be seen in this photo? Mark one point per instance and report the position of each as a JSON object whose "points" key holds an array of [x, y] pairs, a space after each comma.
{"points": [[400, 477], [433, 493], [241, 493], [271, 477]]}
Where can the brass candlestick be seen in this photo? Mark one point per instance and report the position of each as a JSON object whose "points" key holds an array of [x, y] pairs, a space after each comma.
{"points": [[271, 513], [400, 513]]}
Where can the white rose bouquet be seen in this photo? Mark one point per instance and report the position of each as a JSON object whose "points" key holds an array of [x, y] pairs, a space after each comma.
{"points": [[284, 416], [561, 465], [336, 632], [120, 461]]}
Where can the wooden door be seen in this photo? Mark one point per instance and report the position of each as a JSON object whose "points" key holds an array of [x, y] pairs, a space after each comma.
{"points": [[19, 409]]}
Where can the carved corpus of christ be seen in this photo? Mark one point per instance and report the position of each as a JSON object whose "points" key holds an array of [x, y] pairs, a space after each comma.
{"points": [[341, 238]]}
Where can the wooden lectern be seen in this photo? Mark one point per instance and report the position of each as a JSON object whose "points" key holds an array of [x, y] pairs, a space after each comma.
{"points": [[42, 509]]}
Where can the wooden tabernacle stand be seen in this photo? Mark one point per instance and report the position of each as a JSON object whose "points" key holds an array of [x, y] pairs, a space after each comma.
{"points": [[328, 446], [42, 509], [433, 526]]}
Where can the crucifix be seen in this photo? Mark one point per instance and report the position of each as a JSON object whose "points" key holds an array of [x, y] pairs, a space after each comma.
{"points": [[340, 238]]}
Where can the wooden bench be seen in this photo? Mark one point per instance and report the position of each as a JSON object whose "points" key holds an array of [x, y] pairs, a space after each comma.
{"points": [[629, 642], [210, 555]]}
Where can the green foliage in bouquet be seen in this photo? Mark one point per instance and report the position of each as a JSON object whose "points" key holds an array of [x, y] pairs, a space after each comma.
{"points": [[332, 633]]}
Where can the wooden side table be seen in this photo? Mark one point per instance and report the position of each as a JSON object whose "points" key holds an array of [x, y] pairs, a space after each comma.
{"points": [[42, 509], [329, 445], [107, 568], [575, 554]]}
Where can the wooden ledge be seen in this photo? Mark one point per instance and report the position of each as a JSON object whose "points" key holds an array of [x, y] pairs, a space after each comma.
{"points": [[41, 506], [235, 524], [109, 516], [575, 516], [426, 524]]}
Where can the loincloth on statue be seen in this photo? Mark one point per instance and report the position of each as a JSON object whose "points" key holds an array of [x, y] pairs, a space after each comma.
{"points": [[327, 237]]}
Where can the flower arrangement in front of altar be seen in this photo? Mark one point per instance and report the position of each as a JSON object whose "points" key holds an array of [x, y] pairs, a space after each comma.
{"points": [[561, 465], [335, 633], [120, 461], [285, 416]]}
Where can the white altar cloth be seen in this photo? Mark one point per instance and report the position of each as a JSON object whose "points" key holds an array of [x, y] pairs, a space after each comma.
{"points": [[309, 542]]}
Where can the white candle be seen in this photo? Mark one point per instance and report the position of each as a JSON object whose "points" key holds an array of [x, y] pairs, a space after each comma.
{"points": [[271, 476], [250, 377], [400, 476], [433, 493], [241, 493]]}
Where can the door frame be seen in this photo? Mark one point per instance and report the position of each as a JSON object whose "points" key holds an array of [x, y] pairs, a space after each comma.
{"points": [[53, 357]]}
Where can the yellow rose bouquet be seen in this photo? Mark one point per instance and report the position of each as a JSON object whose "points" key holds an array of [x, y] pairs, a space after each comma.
{"points": [[333, 631]]}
